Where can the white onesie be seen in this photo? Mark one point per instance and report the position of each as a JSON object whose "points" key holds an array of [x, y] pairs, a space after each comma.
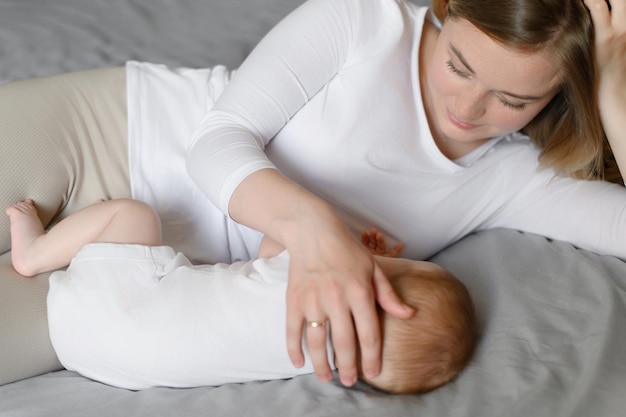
{"points": [[136, 317]]}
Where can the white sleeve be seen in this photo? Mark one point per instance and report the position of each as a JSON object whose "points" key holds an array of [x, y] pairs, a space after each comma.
{"points": [[589, 214], [290, 65]]}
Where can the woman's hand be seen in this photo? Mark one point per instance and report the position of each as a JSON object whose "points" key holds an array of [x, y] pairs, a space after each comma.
{"points": [[333, 280], [610, 39]]}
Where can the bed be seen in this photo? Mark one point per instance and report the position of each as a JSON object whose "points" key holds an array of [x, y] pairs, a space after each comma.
{"points": [[552, 316]]}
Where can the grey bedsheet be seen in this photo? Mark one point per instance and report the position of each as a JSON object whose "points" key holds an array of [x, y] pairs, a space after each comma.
{"points": [[43, 37], [553, 345], [553, 316]]}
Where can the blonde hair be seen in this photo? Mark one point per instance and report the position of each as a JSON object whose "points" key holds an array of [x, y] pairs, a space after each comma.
{"points": [[568, 131], [431, 348]]}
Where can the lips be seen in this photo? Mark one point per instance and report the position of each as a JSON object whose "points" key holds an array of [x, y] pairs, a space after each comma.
{"points": [[461, 125]]}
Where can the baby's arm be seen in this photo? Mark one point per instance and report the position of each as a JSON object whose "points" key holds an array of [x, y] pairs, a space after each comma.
{"points": [[34, 251], [373, 240]]}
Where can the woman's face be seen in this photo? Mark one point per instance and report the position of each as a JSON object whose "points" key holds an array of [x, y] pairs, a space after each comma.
{"points": [[478, 89]]}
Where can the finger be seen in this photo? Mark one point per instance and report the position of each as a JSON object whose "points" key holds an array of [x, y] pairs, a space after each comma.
{"points": [[294, 319], [344, 344], [618, 13], [381, 246], [343, 335], [387, 297], [399, 246], [600, 16], [395, 251], [316, 334], [367, 325], [370, 241], [365, 238], [374, 239]]}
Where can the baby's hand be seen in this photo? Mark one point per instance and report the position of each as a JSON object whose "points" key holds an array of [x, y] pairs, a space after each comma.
{"points": [[375, 242]]}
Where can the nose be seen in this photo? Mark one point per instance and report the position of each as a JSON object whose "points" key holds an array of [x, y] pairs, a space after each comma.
{"points": [[470, 105]]}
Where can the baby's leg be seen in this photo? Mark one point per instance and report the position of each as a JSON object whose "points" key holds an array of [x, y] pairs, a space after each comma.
{"points": [[119, 221], [63, 142]]}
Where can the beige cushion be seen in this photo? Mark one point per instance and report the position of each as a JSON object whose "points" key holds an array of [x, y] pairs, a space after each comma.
{"points": [[63, 141], [25, 348]]}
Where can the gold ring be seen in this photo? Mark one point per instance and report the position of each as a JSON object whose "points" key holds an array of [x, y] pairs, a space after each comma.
{"points": [[316, 323]]}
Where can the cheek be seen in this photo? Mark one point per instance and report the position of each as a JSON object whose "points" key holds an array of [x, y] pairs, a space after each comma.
{"points": [[509, 119], [441, 81]]}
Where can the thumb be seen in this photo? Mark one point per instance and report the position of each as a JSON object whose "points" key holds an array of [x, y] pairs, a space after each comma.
{"points": [[387, 297]]}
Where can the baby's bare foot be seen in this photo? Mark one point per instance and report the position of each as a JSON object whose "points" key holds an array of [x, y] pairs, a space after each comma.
{"points": [[25, 229]]}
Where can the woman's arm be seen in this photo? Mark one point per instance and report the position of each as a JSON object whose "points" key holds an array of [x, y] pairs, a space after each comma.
{"points": [[589, 214], [291, 64], [610, 36], [332, 277], [372, 239]]}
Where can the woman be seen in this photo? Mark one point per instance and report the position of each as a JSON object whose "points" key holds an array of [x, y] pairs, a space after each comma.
{"points": [[344, 84], [374, 114]]}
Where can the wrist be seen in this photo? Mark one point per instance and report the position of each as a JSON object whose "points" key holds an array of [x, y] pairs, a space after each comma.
{"points": [[285, 211], [308, 216]]}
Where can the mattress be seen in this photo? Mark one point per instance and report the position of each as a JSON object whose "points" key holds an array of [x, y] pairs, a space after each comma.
{"points": [[552, 316]]}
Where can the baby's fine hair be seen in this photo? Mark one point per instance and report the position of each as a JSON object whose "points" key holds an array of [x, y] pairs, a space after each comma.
{"points": [[568, 131], [431, 348]]}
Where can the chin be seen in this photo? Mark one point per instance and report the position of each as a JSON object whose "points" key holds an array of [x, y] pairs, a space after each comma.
{"points": [[479, 134], [458, 135]]}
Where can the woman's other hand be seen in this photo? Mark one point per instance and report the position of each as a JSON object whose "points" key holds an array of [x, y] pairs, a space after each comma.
{"points": [[610, 42]]}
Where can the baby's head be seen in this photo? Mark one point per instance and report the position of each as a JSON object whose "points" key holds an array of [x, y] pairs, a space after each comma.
{"points": [[431, 348]]}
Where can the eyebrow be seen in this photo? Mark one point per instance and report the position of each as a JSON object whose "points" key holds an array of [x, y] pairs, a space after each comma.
{"points": [[461, 58]]}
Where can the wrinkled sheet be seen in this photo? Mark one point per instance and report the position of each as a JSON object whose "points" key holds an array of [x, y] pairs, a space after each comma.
{"points": [[43, 37], [553, 317], [553, 341]]}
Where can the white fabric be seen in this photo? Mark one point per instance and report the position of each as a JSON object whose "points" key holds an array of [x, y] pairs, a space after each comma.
{"points": [[160, 124], [135, 317], [331, 98]]}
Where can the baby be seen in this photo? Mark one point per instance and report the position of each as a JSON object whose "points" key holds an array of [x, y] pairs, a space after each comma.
{"points": [[132, 313]]}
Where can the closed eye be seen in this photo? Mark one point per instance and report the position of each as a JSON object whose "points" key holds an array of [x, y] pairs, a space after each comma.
{"points": [[457, 71], [513, 106], [466, 75]]}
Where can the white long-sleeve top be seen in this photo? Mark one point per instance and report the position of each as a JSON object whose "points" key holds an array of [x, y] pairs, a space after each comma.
{"points": [[331, 98]]}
